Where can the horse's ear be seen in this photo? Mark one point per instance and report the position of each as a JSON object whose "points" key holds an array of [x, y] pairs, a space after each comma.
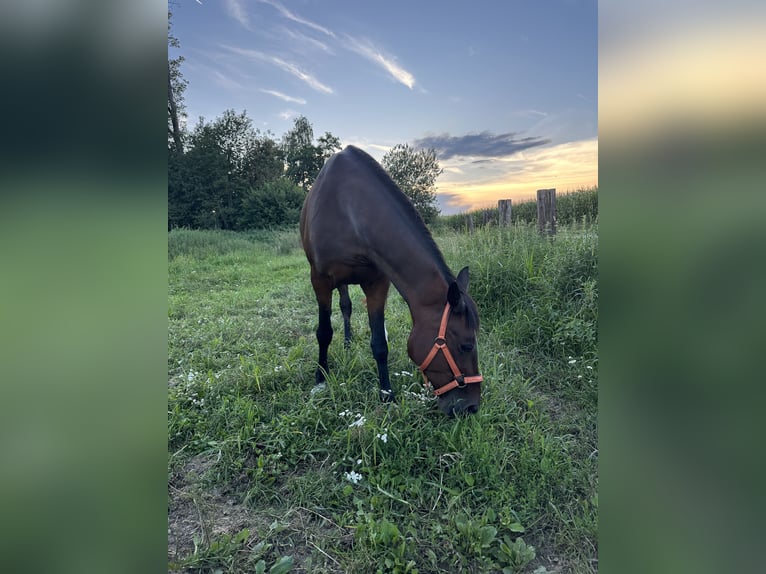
{"points": [[457, 288], [462, 279], [454, 295]]}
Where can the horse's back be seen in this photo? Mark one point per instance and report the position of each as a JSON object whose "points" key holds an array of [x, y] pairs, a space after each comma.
{"points": [[337, 211]]}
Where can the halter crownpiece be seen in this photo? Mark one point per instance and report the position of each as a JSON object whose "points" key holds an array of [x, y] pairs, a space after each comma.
{"points": [[440, 344]]}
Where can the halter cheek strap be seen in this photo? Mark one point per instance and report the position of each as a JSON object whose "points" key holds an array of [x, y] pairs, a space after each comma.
{"points": [[440, 344]]}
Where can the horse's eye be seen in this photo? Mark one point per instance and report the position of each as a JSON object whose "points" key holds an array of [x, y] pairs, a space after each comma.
{"points": [[466, 348]]}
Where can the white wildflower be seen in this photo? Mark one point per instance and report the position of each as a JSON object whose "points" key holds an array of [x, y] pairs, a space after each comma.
{"points": [[358, 422], [353, 477], [358, 461], [572, 361], [383, 437], [589, 368]]}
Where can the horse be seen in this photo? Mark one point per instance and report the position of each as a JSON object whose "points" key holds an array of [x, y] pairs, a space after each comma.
{"points": [[358, 227]]}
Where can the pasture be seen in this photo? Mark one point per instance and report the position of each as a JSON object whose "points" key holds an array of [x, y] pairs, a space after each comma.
{"points": [[263, 476]]}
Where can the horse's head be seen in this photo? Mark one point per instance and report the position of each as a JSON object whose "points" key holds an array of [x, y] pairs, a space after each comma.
{"points": [[446, 353]]}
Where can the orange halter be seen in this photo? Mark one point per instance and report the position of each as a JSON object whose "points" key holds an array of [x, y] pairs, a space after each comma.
{"points": [[440, 344]]}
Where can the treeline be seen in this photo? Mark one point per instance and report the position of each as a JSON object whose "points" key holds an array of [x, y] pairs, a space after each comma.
{"points": [[579, 206], [226, 174], [229, 175]]}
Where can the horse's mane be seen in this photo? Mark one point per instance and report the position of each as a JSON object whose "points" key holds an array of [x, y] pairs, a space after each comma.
{"points": [[406, 208]]}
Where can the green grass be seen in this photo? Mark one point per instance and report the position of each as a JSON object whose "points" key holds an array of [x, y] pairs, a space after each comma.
{"points": [[572, 207], [259, 468]]}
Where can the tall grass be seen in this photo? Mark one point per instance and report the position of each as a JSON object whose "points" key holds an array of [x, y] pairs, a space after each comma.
{"points": [[512, 489], [574, 207]]}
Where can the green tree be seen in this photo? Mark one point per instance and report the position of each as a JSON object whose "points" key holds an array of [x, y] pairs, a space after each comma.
{"points": [[328, 145], [304, 159], [230, 178], [207, 199], [225, 158], [176, 87], [415, 172], [275, 203]]}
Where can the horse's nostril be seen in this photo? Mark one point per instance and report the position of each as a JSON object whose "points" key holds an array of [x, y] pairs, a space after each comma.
{"points": [[472, 409]]}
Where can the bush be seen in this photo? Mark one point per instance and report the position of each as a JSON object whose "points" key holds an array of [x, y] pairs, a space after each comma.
{"points": [[276, 203]]}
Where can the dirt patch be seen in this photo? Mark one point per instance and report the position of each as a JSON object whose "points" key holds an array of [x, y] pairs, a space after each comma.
{"points": [[195, 512], [201, 513]]}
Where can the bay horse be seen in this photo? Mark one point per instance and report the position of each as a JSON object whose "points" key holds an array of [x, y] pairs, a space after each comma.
{"points": [[358, 227]]}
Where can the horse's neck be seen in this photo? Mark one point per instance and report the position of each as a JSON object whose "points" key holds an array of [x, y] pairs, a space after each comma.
{"points": [[418, 275]]}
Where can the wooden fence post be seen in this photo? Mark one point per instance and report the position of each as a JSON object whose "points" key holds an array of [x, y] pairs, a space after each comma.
{"points": [[546, 211], [485, 217], [504, 212], [469, 222]]}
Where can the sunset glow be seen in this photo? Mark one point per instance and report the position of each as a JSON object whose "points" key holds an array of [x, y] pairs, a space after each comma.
{"points": [[470, 183]]}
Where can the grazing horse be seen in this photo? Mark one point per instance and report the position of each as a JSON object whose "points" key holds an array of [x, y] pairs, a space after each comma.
{"points": [[357, 227]]}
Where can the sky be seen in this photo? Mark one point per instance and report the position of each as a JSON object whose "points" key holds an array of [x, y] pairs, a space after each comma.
{"points": [[506, 92]]}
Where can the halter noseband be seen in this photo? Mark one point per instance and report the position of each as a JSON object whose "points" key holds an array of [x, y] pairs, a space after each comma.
{"points": [[440, 344]]}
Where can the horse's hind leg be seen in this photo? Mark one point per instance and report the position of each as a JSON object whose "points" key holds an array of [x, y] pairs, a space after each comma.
{"points": [[345, 309], [323, 291], [376, 293]]}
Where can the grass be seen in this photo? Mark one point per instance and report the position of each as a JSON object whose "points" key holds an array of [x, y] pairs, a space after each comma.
{"points": [[263, 475], [579, 206]]}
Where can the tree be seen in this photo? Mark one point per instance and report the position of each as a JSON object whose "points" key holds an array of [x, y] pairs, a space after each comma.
{"points": [[303, 159], [328, 145], [214, 183], [176, 87], [277, 202], [415, 172]]}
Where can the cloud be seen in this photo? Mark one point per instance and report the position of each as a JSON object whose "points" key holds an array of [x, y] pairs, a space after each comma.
{"points": [[312, 43], [295, 18], [287, 114], [566, 166], [388, 63], [301, 75], [226, 82], [484, 144], [533, 113], [237, 11], [288, 67], [284, 97]]}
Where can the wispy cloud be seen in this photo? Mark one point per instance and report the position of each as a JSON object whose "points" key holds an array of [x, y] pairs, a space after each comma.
{"points": [[287, 114], [226, 82], [295, 18], [301, 75], [236, 10], [484, 144], [288, 67], [284, 97], [312, 43], [388, 63]]}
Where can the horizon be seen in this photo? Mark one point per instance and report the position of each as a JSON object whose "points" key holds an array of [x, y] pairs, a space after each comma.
{"points": [[509, 102]]}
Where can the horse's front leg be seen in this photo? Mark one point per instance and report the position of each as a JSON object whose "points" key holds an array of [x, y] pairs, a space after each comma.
{"points": [[376, 304]]}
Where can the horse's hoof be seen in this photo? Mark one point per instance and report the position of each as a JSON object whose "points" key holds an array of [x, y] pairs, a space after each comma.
{"points": [[318, 388], [387, 396]]}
